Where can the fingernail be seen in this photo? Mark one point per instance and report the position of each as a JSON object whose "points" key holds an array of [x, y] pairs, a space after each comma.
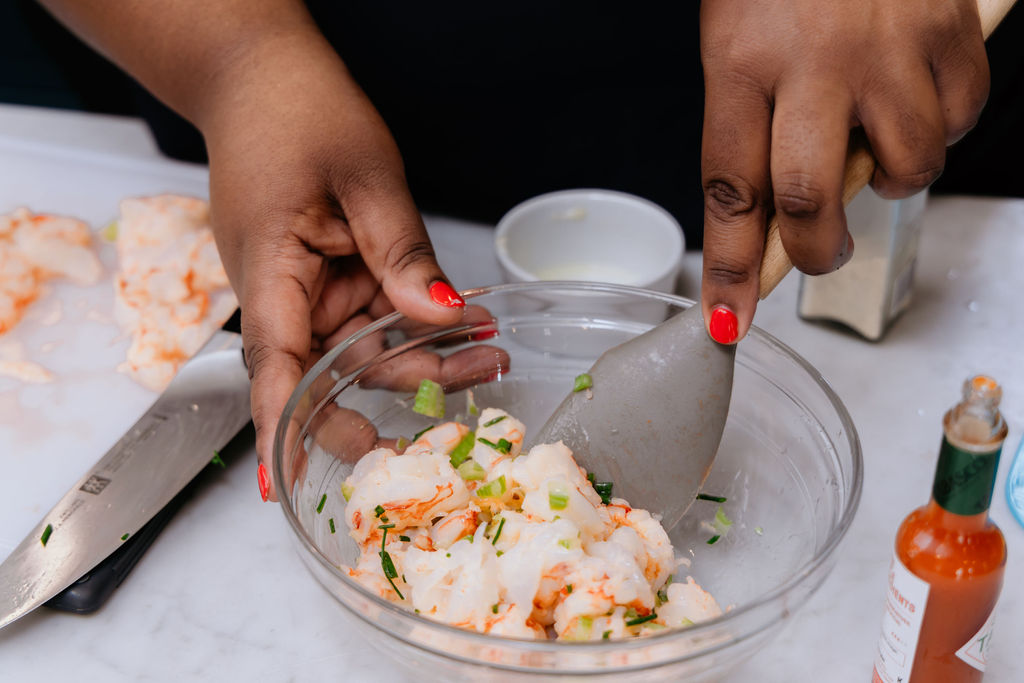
{"points": [[723, 326], [846, 253], [264, 481], [443, 294], [483, 336]]}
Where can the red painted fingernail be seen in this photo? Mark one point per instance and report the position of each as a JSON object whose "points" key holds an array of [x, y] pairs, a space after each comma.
{"points": [[483, 336], [264, 481], [442, 293], [723, 327]]}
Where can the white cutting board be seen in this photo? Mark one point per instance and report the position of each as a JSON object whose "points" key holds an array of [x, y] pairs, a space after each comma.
{"points": [[51, 433]]}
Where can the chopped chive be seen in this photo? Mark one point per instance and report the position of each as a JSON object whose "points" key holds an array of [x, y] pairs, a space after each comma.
{"points": [[416, 611], [404, 539], [217, 460], [492, 489], [491, 423], [497, 534], [714, 539], [503, 445], [462, 450], [565, 543], [388, 565], [499, 553], [662, 596], [467, 537], [713, 499], [447, 554], [330, 523], [604, 489], [378, 511], [346, 491], [590, 477], [471, 470], [582, 382], [386, 526], [320, 507], [46, 534], [642, 620], [125, 537], [429, 399], [494, 608], [568, 589], [417, 435], [606, 635]]}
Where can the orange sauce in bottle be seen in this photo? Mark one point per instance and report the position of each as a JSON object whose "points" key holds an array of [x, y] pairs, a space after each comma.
{"points": [[955, 554]]}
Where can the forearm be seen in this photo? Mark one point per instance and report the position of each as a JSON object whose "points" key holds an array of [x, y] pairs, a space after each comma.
{"points": [[195, 54]]}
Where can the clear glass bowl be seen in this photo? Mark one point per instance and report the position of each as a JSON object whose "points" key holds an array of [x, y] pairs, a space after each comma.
{"points": [[789, 463]]}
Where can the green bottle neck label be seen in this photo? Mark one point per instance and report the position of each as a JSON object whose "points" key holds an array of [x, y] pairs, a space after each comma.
{"points": [[964, 481]]}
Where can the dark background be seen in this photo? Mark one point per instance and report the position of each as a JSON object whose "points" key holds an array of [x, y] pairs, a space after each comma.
{"points": [[492, 106]]}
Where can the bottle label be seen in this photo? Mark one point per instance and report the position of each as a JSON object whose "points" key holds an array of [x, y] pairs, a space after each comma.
{"points": [[975, 651], [963, 480], [901, 624]]}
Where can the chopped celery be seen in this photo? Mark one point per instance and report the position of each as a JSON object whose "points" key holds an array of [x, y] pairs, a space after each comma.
{"points": [[346, 491], [558, 497], [471, 471], [462, 449], [582, 382], [492, 489], [429, 399]]}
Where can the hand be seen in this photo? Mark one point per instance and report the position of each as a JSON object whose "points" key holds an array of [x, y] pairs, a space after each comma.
{"points": [[315, 225], [785, 82]]}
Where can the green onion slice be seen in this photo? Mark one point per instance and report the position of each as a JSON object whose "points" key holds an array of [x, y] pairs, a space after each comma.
{"points": [[494, 608], [417, 435], [429, 399], [330, 523], [404, 539], [320, 507], [491, 423], [378, 511], [125, 537], [46, 534], [713, 499], [604, 489], [497, 534], [582, 382], [714, 539], [217, 460], [346, 491], [503, 445], [462, 450], [642, 620], [558, 498]]}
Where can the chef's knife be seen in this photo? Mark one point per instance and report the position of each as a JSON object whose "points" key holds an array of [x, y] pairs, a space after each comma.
{"points": [[205, 405]]}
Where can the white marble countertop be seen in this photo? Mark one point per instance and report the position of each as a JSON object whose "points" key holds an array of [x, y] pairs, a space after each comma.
{"points": [[222, 595]]}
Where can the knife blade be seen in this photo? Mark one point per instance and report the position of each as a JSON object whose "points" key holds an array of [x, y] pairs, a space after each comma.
{"points": [[204, 406]]}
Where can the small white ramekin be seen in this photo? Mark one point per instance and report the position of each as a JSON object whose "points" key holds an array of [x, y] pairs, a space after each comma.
{"points": [[593, 235]]}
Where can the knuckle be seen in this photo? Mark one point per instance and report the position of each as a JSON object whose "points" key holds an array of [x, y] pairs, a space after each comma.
{"points": [[730, 199], [799, 196], [726, 272], [407, 253]]}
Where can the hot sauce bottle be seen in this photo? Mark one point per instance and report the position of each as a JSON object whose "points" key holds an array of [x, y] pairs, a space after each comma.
{"points": [[949, 557]]}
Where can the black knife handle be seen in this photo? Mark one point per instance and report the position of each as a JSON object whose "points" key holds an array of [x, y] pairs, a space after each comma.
{"points": [[92, 590]]}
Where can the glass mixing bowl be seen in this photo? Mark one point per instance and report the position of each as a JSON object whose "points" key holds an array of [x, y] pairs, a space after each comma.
{"points": [[789, 464]]}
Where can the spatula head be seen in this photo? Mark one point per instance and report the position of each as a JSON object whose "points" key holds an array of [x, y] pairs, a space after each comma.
{"points": [[654, 418]]}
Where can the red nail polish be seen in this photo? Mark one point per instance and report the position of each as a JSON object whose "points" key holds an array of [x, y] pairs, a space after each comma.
{"points": [[443, 294], [483, 336], [264, 481], [723, 326]]}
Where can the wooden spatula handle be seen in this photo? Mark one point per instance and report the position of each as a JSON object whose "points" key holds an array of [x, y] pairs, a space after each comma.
{"points": [[860, 165]]}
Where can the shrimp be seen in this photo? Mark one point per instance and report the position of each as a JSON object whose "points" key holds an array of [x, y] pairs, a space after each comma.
{"points": [[687, 604], [442, 439], [494, 426], [168, 290], [38, 247]]}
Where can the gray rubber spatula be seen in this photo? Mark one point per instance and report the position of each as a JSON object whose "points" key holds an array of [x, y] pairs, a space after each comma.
{"points": [[654, 418]]}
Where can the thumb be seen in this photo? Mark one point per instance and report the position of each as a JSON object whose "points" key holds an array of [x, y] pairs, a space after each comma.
{"points": [[395, 246], [276, 336]]}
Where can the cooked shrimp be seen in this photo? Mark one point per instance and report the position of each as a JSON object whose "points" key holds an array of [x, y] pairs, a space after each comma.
{"points": [[442, 438], [38, 247], [171, 290]]}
